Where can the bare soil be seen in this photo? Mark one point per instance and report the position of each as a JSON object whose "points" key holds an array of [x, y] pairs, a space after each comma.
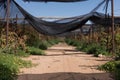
{"points": [[63, 62]]}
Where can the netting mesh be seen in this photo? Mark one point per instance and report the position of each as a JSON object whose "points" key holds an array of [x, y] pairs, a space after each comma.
{"points": [[13, 10], [54, 0], [54, 27]]}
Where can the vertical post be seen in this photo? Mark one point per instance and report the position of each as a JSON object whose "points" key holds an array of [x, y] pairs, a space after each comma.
{"points": [[113, 32], [90, 34], [7, 20], [16, 22], [92, 31], [16, 28]]}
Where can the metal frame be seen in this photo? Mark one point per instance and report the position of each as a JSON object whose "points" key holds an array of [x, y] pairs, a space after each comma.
{"points": [[112, 14]]}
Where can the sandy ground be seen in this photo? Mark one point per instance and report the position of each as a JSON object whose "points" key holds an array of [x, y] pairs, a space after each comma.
{"points": [[63, 62]]}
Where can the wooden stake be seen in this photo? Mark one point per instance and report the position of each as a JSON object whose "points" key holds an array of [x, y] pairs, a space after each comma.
{"points": [[7, 19], [113, 31]]}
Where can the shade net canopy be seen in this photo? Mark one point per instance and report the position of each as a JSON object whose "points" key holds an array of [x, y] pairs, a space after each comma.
{"points": [[56, 27], [14, 11], [54, 0]]}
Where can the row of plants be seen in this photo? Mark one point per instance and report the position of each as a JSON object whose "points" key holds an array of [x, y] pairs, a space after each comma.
{"points": [[21, 44], [114, 66], [96, 49], [41, 46], [91, 48], [24, 43], [34, 39], [101, 44], [10, 62]]}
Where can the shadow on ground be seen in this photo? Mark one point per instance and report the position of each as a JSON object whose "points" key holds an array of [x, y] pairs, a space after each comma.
{"points": [[63, 52], [66, 76]]}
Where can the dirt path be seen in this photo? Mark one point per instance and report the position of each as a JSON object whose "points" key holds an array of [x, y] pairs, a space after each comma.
{"points": [[63, 62]]}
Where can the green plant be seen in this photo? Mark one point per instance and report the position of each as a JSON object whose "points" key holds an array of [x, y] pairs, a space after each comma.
{"points": [[117, 74], [22, 63], [53, 41], [113, 67], [8, 72], [15, 42], [9, 66], [108, 67], [35, 51], [83, 47], [32, 40], [44, 45], [73, 42], [22, 53], [93, 48], [69, 41], [96, 50], [117, 39]]}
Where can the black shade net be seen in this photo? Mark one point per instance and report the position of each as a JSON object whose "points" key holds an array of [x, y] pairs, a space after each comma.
{"points": [[55, 27], [14, 12], [54, 0]]}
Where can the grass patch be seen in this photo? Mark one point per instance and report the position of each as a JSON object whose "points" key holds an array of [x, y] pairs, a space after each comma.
{"points": [[35, 51], [22, 53]]}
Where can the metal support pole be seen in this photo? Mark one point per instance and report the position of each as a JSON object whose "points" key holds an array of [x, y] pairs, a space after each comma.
{"points": [[7, 20], [113, 31]]}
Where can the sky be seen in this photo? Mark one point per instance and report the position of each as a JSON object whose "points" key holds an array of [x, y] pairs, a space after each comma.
{"points": [[58, 9]]}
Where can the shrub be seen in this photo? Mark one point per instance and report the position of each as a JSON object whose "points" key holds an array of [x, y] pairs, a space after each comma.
{"points": [[73, 42], [9, 66], [117, 39], [69, 41], [108, 67], [35, 51], [83, 47], [44, 45], [117, 57], [16, 52], [76, 43], [16, 43], [93, 48], [112, 66], [21, 53], [7, 72], [32, 40], [97, 49], [53, 41], [117, 74]]}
